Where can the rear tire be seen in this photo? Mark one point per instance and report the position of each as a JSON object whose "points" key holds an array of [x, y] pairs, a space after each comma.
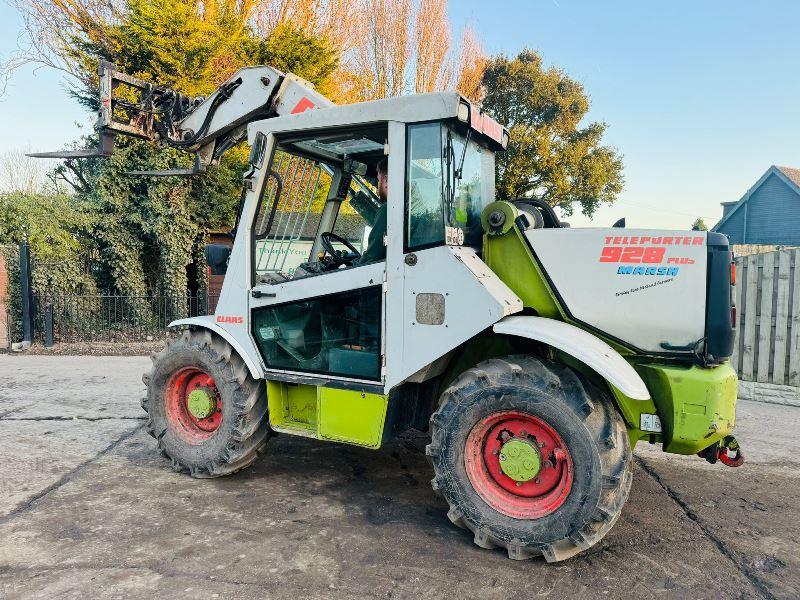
{"points": [[235, 430], [585, 478]]}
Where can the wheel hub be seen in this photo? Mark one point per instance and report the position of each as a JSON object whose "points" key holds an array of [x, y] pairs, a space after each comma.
{"points": [[518, 464], [193, 404], [520, 460], [201, 403]]}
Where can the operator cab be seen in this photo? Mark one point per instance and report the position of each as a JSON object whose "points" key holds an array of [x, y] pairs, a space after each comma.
{"points": [[322, 202], [324, 241]]}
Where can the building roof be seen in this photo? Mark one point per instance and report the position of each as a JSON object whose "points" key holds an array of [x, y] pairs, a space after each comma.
{"points": [[787, 174], [792, 174]]}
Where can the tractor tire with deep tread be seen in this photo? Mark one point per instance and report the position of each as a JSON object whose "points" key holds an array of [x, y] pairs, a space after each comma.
{"points": [[585, 419], [243, 430]]}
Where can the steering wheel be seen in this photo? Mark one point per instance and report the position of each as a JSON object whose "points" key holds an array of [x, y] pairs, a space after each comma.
{"points": [[327, 239]]}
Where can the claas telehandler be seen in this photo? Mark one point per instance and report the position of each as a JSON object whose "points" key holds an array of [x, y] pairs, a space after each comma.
{"points": [[375, 283]]}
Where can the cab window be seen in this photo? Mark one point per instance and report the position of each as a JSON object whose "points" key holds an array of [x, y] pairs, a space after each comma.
{"points": [[471, 186], [424, 191], [318, 206], [450, 180]]}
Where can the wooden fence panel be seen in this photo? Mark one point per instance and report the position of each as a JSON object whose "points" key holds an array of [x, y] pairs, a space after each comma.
{"points": [[794, 345], [767, 346], [780, 347], [750, 315], [764, 339], [736, 357]]}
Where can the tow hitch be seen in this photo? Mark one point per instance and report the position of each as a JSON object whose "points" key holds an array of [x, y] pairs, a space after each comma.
{"points": [[729, 452]]}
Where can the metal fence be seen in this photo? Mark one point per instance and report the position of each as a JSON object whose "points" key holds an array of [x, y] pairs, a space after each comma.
{"points": [[112, 316], [767, 348]]}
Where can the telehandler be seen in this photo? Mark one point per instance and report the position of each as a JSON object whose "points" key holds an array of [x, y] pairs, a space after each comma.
{"points": [[536, 355]]}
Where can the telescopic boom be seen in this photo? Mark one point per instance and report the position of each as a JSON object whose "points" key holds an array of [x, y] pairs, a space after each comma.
{"points": [[204, 126]]}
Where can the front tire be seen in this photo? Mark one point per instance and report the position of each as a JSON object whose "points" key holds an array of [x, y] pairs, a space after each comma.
{"points": [[530, 457], [208, 415]]}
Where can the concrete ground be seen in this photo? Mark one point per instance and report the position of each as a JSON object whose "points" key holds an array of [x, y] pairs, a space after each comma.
{"points": [[89, 509]]}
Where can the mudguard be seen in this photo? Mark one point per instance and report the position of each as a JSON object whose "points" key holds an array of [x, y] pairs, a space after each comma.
{"points": [[207, 322], [582, 345]]}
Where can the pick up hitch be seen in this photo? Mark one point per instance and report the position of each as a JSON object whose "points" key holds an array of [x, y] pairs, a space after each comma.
{"points": [[728, 452]]}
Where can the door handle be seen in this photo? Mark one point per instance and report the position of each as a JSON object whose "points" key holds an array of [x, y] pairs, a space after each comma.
{"points": [[260, 294]]}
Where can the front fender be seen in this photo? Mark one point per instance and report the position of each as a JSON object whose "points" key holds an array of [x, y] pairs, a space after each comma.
{"points": [[207, 322], [582, 345]]}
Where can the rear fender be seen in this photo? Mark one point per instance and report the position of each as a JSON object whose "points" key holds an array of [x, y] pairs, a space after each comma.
{"points": [[207, 322], [583, 346]]}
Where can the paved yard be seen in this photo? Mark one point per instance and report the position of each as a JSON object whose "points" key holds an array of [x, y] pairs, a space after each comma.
{"points": [[88, 508]]}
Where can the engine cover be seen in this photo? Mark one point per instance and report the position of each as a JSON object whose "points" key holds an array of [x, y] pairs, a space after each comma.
{"points": [[644, 287]]}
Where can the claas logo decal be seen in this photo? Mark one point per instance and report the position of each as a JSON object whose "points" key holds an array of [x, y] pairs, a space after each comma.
{"points": [[228, 319], [647, 250]]}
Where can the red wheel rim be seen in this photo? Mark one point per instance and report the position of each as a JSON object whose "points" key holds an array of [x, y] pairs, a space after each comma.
{"points": [[531, 499], [191, 427]]}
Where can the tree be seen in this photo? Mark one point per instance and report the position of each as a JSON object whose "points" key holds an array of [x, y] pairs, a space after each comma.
{"points": [[381, 61], [150, 230], [385, 47], [473, 63], [552, 155], [699, 225], [432, 44], [57, 227]]}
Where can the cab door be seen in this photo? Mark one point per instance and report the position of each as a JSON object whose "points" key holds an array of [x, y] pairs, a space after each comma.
{"points": [[440, 291], [312, 326]]}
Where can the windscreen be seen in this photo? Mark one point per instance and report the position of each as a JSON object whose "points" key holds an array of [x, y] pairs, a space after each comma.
{"points": [[450, 182], [471, 185]]}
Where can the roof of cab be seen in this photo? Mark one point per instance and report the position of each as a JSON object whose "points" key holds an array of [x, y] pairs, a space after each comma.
{"points": [[405, 109]]}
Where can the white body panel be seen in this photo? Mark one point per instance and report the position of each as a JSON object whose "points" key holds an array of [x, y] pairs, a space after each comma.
{"points": [[333, 282], [394, 323], [643, 287], [582, 345], [474, 299]]}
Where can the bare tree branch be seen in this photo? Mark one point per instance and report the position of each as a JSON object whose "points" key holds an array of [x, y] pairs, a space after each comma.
{"points": [[434, 65], [21, 173], [472, 62]]}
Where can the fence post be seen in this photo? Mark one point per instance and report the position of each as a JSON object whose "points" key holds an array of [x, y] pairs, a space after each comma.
{"points": [[26, 291], [48, 325]]}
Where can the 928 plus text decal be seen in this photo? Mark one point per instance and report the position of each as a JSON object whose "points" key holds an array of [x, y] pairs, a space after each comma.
{"points": [[632, 251]]}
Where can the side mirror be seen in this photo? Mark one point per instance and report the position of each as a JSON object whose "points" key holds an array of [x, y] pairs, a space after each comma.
{"points": [[257, 151], [217, 258]]}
